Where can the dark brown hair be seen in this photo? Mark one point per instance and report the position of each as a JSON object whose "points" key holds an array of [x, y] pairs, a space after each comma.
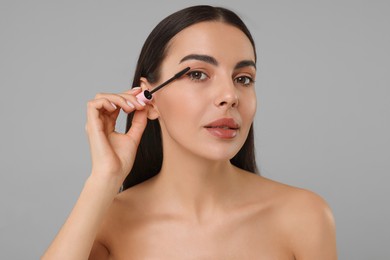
{"points": [[149, 155]]}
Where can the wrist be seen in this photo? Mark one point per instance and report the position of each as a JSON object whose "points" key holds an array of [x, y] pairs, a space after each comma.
{"points": [[105, 183]]}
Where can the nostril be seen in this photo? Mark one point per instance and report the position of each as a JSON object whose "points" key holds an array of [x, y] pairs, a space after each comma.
{"points": [[227, 100], [225, 103]]}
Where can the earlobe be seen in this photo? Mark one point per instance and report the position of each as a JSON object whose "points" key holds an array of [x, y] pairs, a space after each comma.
{"points": [[153, 112]]}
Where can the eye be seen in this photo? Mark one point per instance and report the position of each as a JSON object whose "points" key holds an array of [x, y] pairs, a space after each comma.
{"points": [[197, 75], [244, 80]]}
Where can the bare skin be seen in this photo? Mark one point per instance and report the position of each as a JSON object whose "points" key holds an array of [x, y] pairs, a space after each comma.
{"points": [[199, 206], [263, 220]]}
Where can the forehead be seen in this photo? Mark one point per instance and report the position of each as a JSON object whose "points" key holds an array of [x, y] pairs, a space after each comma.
{"points": [[218, 39]]}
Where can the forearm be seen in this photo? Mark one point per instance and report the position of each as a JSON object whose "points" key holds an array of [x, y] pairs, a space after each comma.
{"points": [[76, 237]]}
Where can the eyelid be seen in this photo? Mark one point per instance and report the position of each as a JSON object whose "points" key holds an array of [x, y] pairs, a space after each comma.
{"points": [[190, 74], [197, 70], [250, 78], [247, 75], [248, 72]]}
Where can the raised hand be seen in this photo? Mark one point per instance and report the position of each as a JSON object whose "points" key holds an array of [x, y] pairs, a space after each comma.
{"points": [[112, 152]]}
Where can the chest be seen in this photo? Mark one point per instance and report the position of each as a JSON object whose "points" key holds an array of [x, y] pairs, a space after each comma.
{"points": [[216, 240]]}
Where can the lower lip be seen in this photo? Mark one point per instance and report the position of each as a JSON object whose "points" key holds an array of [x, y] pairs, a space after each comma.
{"points": [[222, 133]]}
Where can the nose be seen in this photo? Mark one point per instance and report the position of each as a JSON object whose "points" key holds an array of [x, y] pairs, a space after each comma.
{"points": [[227, 96]]}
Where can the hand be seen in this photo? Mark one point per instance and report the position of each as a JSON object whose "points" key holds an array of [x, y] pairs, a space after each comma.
{"points": [[113, 153]]}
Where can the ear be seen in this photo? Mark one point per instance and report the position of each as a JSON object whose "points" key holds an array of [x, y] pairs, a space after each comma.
{"points": [[153, 112]]}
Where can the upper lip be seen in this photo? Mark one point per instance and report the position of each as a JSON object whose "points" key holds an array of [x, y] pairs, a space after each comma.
{"points": [[224, 123]]}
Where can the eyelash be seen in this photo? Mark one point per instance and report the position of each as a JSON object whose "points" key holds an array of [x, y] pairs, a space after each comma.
{"points": [[250, 83], [194, 75]]}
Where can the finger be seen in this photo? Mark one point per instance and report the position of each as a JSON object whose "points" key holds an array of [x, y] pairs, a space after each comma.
{"points": [[133, 91], [139, 104], [97, 107], [127, 103], [138, 125]]}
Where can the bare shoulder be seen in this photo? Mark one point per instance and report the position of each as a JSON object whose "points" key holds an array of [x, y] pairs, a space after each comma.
{"points": [[300, 203], [304, 217], [119, 219], [286, 196]]}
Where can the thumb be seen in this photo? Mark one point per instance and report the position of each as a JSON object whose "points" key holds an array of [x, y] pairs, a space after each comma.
{"points": [[138, 125]]}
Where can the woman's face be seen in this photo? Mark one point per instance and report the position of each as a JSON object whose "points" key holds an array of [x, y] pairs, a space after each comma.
{"points": [[207, 112]]}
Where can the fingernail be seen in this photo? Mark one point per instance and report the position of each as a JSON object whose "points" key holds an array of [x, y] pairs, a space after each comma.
{"points": [[130, 104], [136, 88], [141, 102], [113, 105]]}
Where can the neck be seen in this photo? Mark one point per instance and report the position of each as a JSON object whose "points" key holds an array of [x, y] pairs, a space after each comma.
{"points": [[194, 185]]}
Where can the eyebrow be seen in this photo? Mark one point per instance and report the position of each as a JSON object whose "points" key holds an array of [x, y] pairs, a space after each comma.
{"points": [[245, 63], [211, 60], [205, 58]]}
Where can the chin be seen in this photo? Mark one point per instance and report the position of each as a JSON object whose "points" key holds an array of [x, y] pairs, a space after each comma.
{"points": [[215, 154]]}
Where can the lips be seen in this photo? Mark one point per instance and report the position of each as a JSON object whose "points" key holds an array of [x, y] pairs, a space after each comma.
{"points": [[225, 128]]}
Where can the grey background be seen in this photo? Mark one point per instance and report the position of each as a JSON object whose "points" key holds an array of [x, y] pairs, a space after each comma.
{"points": [[322, 121]]}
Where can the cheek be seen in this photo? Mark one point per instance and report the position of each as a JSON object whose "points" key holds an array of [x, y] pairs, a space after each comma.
{"points": [[248, 106], [178, 108]]}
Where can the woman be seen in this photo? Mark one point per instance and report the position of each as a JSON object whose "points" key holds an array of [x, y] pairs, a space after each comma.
{"points": [[192, 192]]}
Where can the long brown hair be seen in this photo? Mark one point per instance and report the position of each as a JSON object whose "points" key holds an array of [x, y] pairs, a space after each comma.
{"points": [[149, 155]]}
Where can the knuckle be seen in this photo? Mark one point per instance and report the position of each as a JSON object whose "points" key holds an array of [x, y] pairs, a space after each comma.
{"points": [[90, 104], [121, 98], [99, 95]]}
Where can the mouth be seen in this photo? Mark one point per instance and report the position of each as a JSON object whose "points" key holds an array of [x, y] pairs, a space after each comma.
{"points": [[225, 128], [224, 123]]}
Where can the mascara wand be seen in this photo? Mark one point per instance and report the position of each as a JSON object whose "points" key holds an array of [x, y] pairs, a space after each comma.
{"points": [[146, 95]]}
